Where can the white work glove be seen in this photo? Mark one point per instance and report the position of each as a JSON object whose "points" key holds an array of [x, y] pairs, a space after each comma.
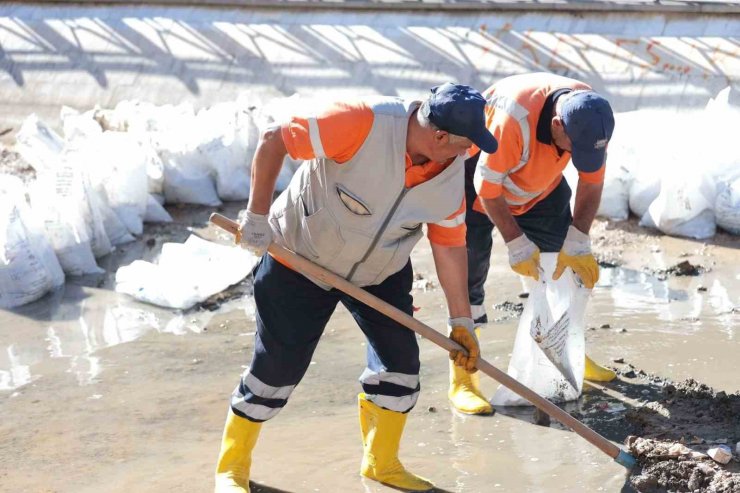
{"points": [[462, 331], [256, 233], [576, 254], [524, 257]]}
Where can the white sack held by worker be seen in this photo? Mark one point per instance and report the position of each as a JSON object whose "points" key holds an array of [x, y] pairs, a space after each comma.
{"points": [[555, 309]]}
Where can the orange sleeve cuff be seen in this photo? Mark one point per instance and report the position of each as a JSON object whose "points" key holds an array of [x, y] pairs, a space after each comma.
{"points": [[296, 139], [451, 237], [489, 190], [594, 177]]}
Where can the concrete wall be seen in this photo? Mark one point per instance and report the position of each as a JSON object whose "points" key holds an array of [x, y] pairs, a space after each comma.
{"points": [[82, 56]]}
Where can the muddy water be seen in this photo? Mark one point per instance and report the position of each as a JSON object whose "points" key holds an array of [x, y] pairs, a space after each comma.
{"points": [[100, 393]]}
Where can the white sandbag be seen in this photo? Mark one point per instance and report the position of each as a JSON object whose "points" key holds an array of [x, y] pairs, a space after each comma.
{"points": [[117, 232], [77, 126], [139, 117], [187, 174], [28, 265], [117, 162], [643, 191], [38, 144], [615, 196], [717, 132], [646, 155], [186, 274], [188, 179], [155, 213], [685, 205], [727, 208], [57, 198], [154, 169], [91, 210], [549, 302], [230, 137]]}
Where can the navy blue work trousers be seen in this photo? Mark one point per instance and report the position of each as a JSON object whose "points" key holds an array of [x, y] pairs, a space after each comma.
{"points": [[291, 315]]}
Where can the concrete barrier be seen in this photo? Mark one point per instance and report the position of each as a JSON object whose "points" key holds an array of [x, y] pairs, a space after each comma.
{"points": [[53, 55]]}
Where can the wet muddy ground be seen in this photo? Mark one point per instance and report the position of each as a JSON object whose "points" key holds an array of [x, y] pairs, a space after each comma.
{"points": [[101, 393]]}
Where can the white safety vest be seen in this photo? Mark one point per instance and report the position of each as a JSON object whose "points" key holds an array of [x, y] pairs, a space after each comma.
{"points": [[358, 219]]}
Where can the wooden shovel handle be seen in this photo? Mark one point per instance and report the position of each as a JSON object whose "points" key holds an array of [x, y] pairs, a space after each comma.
{"points": [[305, 266]]}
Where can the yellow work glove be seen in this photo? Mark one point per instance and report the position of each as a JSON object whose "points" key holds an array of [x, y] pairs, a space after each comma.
{"points": [[524, 257], [462, 331], [576, 254]]}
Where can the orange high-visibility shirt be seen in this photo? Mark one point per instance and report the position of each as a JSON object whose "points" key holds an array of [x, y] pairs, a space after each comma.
{"points": [[527, 166], [343, 128]]}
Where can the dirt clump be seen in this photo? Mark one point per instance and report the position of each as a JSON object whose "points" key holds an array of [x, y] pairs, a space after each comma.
{"points": [[684, 268], [11, 163], [680, 426], [670, 466]]}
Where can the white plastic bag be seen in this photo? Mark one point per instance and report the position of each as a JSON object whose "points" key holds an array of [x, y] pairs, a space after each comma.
{"points": [[643, 191], [727, 208], [78, 127], [550, 302], [155, 213], [187, 273], [38, 144], [615, 196], [117, 162], [685, 206], [28, 265], [58, 198], [229, 139]]}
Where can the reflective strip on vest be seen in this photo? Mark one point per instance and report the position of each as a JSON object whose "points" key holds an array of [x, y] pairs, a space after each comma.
{"points": [[398, 404], [254, 411], [261, 389], [482, 173], [485, 173], [313, 133], [451, 223], [524, 195], [371, 377]]}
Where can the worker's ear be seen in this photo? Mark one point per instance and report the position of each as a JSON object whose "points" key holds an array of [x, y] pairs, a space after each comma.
{"points": [[557, 122], [441, 137]]}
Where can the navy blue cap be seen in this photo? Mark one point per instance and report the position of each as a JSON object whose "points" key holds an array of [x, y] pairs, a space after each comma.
{"points": [[460, 110], [589, 123]]}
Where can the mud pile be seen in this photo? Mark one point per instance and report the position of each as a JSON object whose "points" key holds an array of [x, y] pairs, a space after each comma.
{"points": [[679, 428], [671, 466]]}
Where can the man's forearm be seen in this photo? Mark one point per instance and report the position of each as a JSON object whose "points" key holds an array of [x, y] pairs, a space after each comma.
{"points": [[588, 197], [266, 165], [498, 211], [452, 272]]}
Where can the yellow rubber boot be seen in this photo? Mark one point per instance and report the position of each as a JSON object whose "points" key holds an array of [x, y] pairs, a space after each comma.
{"points": [[597, 373], [381, 437], [464, 392], [235, 459]]}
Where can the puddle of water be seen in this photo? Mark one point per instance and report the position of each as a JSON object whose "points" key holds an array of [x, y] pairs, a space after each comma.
{"points": [[636, 300], [74, 323]]}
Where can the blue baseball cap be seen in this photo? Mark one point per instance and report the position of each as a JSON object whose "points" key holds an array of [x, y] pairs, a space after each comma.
{"points": [[589, 123], [460, 110]]}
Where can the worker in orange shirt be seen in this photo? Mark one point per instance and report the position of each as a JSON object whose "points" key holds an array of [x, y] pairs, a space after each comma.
{"points": [[542, 121], [375, 171]]}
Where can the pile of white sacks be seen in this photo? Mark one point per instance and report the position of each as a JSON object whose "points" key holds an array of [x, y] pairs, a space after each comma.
{"points": [[677, 172], [112, 170]]}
